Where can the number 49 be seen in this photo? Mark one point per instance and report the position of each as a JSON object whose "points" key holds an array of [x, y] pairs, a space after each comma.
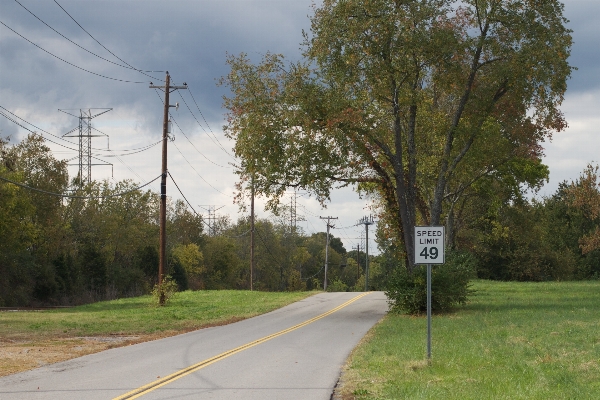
{"points": [[429, 252]]}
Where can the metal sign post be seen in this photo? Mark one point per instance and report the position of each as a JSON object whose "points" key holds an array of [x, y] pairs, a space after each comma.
{"points": [[429, 249]]}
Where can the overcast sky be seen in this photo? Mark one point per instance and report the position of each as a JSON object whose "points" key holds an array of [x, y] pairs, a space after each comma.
{"points": [[191, 39]]}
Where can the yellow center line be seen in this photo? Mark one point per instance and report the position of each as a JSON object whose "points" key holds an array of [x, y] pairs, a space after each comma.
{"points": [[134, 394]]}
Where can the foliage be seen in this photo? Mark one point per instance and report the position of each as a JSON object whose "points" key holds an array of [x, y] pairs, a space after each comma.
{"points": [[407, 292], [191, 259], [163, 293], [295, 283], [337, 286], [413, 101], [585, 196], [535, 240]]}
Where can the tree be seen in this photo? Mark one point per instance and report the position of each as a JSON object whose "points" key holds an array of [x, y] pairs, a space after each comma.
{"points": [[585, 195], [405, 98]]}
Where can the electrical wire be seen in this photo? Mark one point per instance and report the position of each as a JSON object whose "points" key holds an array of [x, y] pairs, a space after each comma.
{"points": [[29, 130], [76, 44], [206, 122], [266, 247], [197, 173], [186, 200], [104, 47], [188, 139], [77, 197], [65, 61], [129, 151], [312, 276], [194, 146], [200, 215], [211, 138]]}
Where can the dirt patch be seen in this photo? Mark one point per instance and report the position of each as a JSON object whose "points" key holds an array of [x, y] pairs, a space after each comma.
{"points": [[23, 353]]}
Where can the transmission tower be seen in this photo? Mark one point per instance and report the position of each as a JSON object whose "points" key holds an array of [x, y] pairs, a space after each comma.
{"points": [[85, 135], [212, 218]]}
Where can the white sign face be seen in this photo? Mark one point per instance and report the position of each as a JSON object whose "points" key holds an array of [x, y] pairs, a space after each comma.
{"points": [[429, 245]]}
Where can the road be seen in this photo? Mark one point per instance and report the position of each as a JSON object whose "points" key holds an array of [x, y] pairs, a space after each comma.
{"points": [[295, 352]]}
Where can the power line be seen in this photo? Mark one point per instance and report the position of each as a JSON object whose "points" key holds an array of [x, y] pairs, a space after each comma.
{"points": [[65, 61], [77, 197], [197, 173], [206, 122], [75, 150], [76, 44], [188, 139], [130, 151], [194, 146], [267, 247], [104, 47], [186, 200]]}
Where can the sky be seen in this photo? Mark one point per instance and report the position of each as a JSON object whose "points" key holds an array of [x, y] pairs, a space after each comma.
{"points": [[191, 39]]}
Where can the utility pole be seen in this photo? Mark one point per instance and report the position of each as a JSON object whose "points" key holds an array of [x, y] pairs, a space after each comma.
{"points": [[327, 249], [357, 261], [366, 221], [251, 232], [85, 136], [293, 216], [162, 261]]}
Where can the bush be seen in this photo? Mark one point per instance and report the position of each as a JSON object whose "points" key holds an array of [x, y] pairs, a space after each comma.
{"points": [[337, 286], [449, 285], [166, 291]]}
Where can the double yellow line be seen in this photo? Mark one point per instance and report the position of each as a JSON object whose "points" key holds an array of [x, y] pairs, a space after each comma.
{"points": [[134, 394]]}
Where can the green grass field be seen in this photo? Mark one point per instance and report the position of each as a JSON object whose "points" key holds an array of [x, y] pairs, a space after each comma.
{"points": [[512, 341], [187, 311]]}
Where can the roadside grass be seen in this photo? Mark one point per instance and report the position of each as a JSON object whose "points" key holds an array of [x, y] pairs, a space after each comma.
{"points": [[133, 316], [512, 341], [29, 339]]}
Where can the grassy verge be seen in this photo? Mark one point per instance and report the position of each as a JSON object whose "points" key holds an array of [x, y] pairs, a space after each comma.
{"points": [[32, 338], [512, 341]]}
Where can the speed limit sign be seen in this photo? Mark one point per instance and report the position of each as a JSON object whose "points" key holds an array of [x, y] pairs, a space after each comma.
{"points": [[429, 245]]}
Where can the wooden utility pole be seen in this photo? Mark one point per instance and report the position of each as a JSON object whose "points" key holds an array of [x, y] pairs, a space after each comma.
{"points": [[357, 262], [251, 232], [367, 221], [162, 260], [327, 249]]}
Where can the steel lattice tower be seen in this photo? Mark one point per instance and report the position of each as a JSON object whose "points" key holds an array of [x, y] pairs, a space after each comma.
{"points": [[85, 135]]}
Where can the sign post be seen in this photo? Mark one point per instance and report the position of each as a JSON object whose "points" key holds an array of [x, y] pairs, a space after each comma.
{"points": [[429, 249]]}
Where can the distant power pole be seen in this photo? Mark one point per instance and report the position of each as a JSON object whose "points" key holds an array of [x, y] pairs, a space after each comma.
{"points": [[251, 232], [293, 215], [85, 135], [357, 261], [162, 262], [366, 221], [212, 218], [327, 249]]}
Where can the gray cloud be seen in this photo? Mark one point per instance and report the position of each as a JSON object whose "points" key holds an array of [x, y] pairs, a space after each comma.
{"points": [[191, 39]]}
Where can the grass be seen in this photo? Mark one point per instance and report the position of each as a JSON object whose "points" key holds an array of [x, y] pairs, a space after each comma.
{"points": [[29, 339], [134, 316], [512, 341]]}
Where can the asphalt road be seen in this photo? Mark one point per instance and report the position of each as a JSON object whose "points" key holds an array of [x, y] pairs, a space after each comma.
{"points": [[295, 352]]}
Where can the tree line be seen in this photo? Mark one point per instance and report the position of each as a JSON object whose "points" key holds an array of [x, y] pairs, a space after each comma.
{"points": [[62, 246], [70, 250]]}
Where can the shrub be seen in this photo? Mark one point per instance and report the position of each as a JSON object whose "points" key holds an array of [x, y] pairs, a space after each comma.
{"points": [[449, 285], [166, 291], [337, 286]]}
